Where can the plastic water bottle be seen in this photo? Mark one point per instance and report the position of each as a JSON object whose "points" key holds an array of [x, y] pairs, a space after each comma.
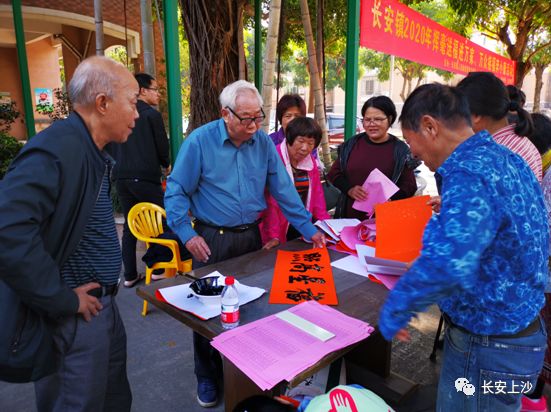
{"points": [[230, 304]]}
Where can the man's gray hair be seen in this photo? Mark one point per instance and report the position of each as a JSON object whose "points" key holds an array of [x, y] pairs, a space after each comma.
{"points": [[233, 90], [94, 75]]}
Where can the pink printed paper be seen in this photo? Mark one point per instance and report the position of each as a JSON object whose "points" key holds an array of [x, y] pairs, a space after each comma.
{"points": [[271, 350], [357, 235], [379, 189], [388, 281]]}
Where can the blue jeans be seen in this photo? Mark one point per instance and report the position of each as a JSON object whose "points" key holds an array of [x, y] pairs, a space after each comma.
{"points": [[499, 370]]}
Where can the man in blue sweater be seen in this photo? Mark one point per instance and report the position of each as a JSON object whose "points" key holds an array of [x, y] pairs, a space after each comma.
{"points": [[484, 258]]}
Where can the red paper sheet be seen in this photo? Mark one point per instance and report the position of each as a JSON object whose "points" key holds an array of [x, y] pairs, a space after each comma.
{"points": [[303, 275], [400, 227]]}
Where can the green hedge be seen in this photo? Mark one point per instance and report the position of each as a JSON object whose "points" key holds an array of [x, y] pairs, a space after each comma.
{"points": [[9, 147]]}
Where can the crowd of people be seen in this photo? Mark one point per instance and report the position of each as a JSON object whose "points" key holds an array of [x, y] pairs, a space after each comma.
{"points": [[233, 190]]}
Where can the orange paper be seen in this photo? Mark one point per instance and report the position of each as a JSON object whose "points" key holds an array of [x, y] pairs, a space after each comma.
{"points": [[303, 275], [341, 247], [400, 227]]}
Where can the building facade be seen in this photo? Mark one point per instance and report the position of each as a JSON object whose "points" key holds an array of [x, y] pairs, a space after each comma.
{"points": [[58, 36]]}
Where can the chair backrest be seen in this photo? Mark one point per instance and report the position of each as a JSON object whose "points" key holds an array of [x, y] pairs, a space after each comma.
{"points": [[145, 220]]}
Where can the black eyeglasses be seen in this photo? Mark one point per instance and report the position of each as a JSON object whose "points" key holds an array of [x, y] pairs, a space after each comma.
{"points": [[154, 89], [246, 121]]}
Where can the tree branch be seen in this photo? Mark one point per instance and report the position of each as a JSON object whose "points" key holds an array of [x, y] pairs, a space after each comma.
{"points": [[543, 46]]}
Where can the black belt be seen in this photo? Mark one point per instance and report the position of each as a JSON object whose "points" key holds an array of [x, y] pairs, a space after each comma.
{"points": [[234, 229], [105, 290], [532, 328]]}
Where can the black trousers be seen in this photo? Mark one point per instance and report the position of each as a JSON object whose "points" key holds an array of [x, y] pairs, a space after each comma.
{"points": [[131, 192], [222, 246]]}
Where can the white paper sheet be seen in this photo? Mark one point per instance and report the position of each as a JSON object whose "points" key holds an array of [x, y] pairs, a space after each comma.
{"points": [[351, 264], [366, 253], [337, 224], [327, 230], [181, 297]]}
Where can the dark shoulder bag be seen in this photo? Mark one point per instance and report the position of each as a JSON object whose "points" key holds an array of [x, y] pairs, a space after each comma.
{"points": [[330, 192]]}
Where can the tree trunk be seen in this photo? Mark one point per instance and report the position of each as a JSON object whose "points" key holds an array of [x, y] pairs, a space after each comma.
{"points": [[211, 28], [403, 91], [410, 82], [241, 48], [269, 60], [522, 70], [320, 52], [539, 68], [319, 111], [310, 103]]}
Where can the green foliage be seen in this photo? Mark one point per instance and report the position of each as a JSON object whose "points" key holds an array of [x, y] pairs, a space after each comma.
{"points": [[62, 71], [442, 13], [9, 147], [118, 53], [295, 68], [8, 115], [376, 61], [294, 56], [542, 49], [184, 69], [45, 108], [517, 24]]}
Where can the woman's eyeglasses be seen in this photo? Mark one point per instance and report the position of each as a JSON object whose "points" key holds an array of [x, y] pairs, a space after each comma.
{"points": [[246, 121], [375, 120]]}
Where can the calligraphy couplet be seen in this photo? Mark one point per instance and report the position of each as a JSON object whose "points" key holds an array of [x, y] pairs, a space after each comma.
{"points": [[391, 27], [303, 275]]}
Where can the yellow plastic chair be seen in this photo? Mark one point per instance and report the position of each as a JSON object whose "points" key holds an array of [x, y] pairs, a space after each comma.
{"points": [[145, 221]]}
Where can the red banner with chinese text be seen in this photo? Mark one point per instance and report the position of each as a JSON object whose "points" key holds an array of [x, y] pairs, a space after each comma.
{"points": [[391, 27], [303, 275]]}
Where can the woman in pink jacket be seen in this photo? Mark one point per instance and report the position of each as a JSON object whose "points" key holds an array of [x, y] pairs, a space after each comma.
{"points": [[302, 135]]}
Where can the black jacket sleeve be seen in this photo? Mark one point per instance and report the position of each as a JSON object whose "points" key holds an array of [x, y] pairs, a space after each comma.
{"points": [[161, 140], [28, 197]]}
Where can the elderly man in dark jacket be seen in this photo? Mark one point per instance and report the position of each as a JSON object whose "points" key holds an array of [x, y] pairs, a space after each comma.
{"points": [[60, 258]]}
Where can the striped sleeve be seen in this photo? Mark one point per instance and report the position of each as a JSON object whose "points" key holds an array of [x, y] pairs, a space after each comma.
{"points": [[521, 146]]}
